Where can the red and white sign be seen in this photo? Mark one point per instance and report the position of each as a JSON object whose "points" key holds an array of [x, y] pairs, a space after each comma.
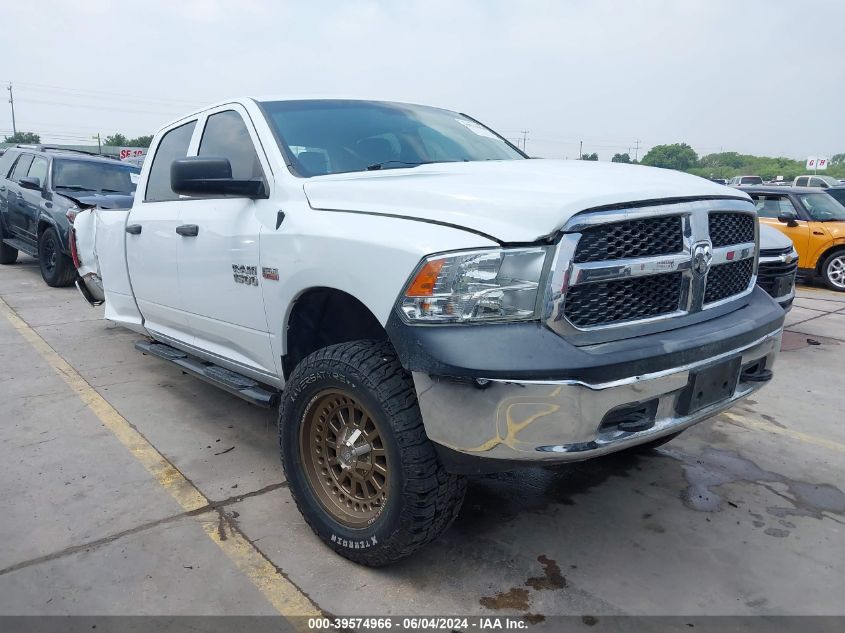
{"points": [[817, 162], [131, 152]]}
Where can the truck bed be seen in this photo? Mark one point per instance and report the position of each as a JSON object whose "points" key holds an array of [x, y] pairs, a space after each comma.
{"points": [[100, 239]]}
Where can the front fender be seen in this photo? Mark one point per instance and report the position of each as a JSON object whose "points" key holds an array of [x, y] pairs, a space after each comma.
{"points": [[62, 227], [367, 257], [821, 253]]}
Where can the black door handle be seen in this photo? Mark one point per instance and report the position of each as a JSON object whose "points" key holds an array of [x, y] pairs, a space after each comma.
{"points": [[134, 229], [188, 230]]}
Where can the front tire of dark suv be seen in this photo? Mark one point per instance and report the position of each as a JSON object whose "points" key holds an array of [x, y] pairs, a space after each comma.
{"points": [[360, 467], [56, 267]]}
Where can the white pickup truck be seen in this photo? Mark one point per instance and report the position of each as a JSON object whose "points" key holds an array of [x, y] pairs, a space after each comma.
{"points": [[422, 301]]}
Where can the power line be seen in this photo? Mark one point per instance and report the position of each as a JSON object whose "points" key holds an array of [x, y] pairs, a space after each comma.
{"points": [[102, 93], [95, 107]]}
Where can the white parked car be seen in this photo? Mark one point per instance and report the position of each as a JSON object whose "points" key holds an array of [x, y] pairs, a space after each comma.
{"points": [[816, 181], [423, 301]]}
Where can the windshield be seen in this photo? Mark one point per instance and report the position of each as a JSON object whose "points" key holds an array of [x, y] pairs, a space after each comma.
{"points": [[831, 181], [838, 194], [89, 175], [330, 137], [751, 180], [822, 207]]}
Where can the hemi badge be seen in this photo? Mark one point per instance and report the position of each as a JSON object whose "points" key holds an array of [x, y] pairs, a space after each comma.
{"points": [[270, 273]]}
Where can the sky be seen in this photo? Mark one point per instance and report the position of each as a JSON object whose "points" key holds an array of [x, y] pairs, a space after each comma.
{"points": [[764, 77]]}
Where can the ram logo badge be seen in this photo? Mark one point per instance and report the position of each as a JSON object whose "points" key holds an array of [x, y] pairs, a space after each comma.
{"points": [[247, 275]]}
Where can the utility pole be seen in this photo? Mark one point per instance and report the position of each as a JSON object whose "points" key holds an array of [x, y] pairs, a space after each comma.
{"points": [[524, 139], [99, 145], [12, 101], [581, 150], [637, 150]]}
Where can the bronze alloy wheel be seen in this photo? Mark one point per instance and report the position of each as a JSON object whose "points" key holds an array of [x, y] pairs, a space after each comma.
{"points": [[344, 458]]}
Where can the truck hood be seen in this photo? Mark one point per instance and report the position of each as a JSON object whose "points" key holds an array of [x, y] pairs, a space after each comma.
{"points": [[510, 201]]}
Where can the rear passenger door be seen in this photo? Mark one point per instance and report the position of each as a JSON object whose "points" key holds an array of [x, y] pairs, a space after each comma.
{"points": [[15, 216], [219, 267], [152, 241]]}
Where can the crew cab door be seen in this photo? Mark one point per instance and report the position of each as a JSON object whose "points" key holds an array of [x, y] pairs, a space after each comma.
{"points": [[152, 240], [15, 215], [218, 253]]}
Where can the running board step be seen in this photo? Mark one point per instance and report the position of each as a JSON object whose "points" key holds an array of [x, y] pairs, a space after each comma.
{"points": [[26, 247], [230, 381]]}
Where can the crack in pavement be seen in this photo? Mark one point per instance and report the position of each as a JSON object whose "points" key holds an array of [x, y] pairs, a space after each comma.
{"points": [[213, 506]]}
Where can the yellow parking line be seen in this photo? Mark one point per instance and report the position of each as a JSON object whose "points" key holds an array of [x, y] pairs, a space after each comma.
{"points": [[285, 597], [760, 425]]}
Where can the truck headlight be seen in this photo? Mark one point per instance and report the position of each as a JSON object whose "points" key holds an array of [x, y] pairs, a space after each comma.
{"points": [[484, 285]]}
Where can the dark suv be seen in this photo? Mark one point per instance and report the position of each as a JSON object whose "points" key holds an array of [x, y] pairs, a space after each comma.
{"points": [[41, 189]]}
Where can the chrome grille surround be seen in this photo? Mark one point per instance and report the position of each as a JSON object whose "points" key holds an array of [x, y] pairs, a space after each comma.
{"points": [[567, 273]]}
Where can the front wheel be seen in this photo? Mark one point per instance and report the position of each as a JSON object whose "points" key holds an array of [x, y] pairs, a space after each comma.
{"points": [[360, 467], [833, 271], [56, 267]]}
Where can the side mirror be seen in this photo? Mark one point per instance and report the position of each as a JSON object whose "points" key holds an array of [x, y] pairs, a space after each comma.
{"points": [[212, 176], [788, 217], [30, 182]]}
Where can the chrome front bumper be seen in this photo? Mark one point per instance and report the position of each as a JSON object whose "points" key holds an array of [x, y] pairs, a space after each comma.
{"points": [[560, 421]]}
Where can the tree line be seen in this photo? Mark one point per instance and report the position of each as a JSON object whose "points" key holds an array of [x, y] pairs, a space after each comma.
{"points": [[115, 140], [682, 157]]}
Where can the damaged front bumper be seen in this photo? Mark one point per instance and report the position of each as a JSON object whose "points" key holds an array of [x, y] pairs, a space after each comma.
{"points": [[571, 420]]}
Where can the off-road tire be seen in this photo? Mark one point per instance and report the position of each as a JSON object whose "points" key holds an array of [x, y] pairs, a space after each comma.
{"points": [[830, 261], [422, 499], [57, 269], [8, 255]]}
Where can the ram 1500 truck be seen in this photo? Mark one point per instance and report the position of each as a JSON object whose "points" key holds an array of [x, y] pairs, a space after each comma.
{"points": [[423, 301]]}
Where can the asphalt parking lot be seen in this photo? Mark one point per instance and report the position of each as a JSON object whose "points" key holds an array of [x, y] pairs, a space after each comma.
{"points": [[130, 488]]}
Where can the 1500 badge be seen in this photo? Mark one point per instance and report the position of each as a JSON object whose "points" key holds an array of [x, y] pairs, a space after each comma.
{"points": [[247, 275]]}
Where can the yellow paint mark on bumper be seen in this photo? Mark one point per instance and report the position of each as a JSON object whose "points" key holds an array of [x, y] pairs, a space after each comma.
{"points": [[761, 425], [285, 597]]}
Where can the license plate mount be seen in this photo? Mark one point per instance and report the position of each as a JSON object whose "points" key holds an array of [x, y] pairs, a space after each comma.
{"points": [[709, 385], [783, 285]]}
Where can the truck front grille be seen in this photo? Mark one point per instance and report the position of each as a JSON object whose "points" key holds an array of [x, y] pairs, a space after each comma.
{"points": [[636, 238], [726, 280], [731, 228], [609, 302], [642, 267]]}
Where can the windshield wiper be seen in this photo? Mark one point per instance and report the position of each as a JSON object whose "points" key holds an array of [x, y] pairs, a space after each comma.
{"points": [[74, 188], [377, 166], [114, 191]]}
